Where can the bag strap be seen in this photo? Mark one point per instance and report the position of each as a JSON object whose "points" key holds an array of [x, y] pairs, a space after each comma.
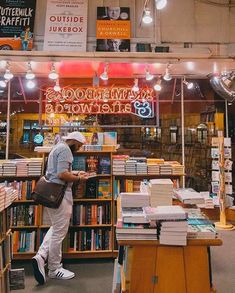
{"points": [[45, 169]]}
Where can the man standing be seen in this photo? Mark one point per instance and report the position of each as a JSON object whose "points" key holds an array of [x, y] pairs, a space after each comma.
{"points": [[58, 171]]}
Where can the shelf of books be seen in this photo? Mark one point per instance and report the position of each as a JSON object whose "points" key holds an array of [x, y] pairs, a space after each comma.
{"points": [[93, 223], [7, 196]]}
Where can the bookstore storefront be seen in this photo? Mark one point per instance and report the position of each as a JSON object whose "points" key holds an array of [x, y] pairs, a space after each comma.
{"points": [[147, 120]]}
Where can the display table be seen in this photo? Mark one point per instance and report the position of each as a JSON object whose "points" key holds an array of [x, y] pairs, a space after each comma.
{"points": [[151, 267]]}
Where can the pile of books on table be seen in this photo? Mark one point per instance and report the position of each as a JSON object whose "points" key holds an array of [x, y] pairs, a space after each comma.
{"points": [[189, 196], [171, 223], [160, 191]]}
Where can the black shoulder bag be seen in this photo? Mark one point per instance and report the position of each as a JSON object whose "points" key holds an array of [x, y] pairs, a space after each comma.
{"points": [[48, 194]]}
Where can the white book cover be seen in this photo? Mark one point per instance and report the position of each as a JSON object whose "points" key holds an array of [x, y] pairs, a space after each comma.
{"points": [[215, 186], [215, 165], [228, 189], [215, 175], [228, 177], [228, 165], [215, 153], [227, 141]]}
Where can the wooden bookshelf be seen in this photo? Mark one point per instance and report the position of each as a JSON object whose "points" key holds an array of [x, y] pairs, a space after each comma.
{"points": [[109, 204]]}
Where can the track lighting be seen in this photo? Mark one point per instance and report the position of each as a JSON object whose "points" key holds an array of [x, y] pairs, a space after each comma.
{"points": [[53, 74], [30, 84], [167, 75], [57, 87], [8, 74], [158, 86], [135, 87], [147, 18], [3, 83], [104, 75], [29, 75], [160, 4], [148, 75], [188, 84]]}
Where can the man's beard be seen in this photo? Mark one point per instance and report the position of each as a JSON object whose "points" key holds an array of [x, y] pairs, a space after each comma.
{"points": [[73, 148]]}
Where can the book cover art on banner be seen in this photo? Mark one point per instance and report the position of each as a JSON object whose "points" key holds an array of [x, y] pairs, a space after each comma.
{"points": [[113, 29], [17, 24], [66, 25]]}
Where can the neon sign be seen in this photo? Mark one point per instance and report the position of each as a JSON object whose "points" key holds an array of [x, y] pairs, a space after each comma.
{"points": [[101, 100]]}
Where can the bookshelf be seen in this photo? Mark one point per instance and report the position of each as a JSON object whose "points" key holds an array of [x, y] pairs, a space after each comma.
{"points": [[5, 250], [92, 229]]}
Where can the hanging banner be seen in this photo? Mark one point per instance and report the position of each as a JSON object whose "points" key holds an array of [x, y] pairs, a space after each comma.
{"points": [[66, 25], [93, 100], [17, 24], [113, 29]]}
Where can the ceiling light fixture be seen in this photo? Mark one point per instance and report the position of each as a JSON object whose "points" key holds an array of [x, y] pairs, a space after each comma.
{"points": [[104, 75], [8, 74], [148, 75], [167, 75], [29, 75], [158, 86], [30, 84], [53, 74], [189, 85], [160, 4], [147, 18], [135, 87], [57, 87]]}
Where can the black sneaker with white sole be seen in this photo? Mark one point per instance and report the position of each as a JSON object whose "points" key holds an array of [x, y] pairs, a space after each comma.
{"points": [[38, 269]]}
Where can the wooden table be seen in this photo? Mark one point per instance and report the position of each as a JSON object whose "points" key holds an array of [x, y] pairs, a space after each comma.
{"points": [[154, 268]]}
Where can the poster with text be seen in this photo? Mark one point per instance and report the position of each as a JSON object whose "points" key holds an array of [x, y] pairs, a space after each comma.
{"points": [[113, 29], [17, 24], [66, 25]]}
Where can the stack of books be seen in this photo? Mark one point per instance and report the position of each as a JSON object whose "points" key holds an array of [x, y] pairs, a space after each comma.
{"points": [[134, 199], [171, 222], [130, 168], [173, 232], [166, 169], [134, 216], [1, 167], [153, 169], [119, 163], [189, 196], [35, 167], [201, 229], [177, 169], [17, 277], [128, 231], [22, 168], [9, 168], [160, 191], [7, 196], [141, 168]]}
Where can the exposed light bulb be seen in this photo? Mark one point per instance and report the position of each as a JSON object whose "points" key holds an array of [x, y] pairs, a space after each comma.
{"points": [[8, 75], [147, 18], [189, 85], [30, 84], [104, 75], [135, 87], [148, 75], [29, 75], [3, 83], [158, 86], [53, 74], [57, 87], [160, 4]]}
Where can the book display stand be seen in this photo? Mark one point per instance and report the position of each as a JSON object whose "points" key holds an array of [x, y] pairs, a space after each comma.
{"points": [[222, 224]]}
